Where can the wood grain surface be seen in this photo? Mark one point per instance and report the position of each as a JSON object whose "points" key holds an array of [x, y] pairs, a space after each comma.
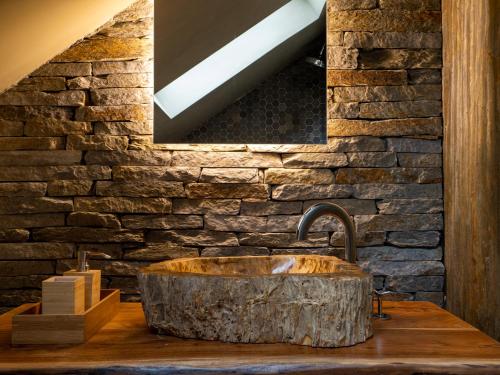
{"points": [[420, 338], [31, 327], [471, 101]]}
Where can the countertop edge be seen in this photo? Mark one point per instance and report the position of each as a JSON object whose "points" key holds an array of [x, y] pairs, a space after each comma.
{"points": [[202, 366]]}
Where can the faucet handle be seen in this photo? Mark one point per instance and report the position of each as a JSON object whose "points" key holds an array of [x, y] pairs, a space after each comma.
{"points": [[379, 294]]}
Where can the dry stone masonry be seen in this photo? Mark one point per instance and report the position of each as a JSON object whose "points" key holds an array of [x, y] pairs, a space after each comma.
{"points": [[78, 169]]}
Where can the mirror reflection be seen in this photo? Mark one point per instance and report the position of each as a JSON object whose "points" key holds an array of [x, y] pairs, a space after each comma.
{"points": [[240, 71]]}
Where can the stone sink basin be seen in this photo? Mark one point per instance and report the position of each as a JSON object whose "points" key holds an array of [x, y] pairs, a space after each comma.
{"points": [[313, 300]]}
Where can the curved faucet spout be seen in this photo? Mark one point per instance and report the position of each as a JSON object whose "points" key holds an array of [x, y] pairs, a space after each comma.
{"points": [[321, 209]]}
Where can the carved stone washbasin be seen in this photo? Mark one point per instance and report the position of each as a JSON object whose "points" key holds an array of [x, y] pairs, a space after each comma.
{"points": [[312, 300]]}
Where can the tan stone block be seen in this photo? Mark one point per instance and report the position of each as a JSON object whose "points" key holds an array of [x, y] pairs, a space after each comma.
{"points": [[96, 142], [134, 112], [41, 84], [32, 143], [204, 206], [10, 128], [69, 187], [391, 191], [81, 82], [31, 220], [123, 205], [289, 223], [119, 67], [230, 175], [207, 190], [70, 98], [389, 175], [314, 160], [411, 145], [205, 147], [362, 239], [342, 110], [385, 20], [365, 77], [335, 144], [225, 159], [123, 80], [23, 205], [193, 237], [293, 192], [395, 127], [370, 40], [298, 176], [163, 222], [335, 38], [389, 110], [64, 70], [85, 234], [23, 189], [113, 250], [138, 10], [410, 206], [329, 251], [161, 252], [107, 49], [424, 76], [134, 29], [25, 282], [144, 142], [124, 127], [93, 219], [44, 173], [342, 58], [34, 113], [108, 268], [130, 157], [387, 93], [14, 235], [140, 188], [402, 268], [36, 250], [230, 223], [390, 223], [234, 251], [56, 128], [121, 96], [336, 5], [372, 159], [411, 4], [352, 206], [270, 208], [420, 160], [27, 267], [400, 58], [128, 173], [276, 240]]}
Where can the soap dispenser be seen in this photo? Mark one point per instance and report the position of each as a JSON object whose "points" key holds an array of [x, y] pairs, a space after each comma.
{"points": [[92, 277]]}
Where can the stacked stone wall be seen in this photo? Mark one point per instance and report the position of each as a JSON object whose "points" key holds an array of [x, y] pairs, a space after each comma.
{"points": [[78, 169]]}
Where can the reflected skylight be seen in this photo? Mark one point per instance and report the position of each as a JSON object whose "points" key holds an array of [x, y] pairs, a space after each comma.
{"points": [[237, 55]]}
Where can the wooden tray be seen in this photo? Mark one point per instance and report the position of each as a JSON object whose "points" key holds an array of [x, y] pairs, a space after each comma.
{"points": [[32, 327]]}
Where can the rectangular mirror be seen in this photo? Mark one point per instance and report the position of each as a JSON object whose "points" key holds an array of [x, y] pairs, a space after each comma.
{"points": [[240, 71]]}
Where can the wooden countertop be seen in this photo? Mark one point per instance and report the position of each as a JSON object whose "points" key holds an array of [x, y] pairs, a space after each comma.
{"points": [[419, 337]]}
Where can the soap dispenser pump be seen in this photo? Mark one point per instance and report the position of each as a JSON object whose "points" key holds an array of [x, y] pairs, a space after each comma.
{"points": [[92, 277]]}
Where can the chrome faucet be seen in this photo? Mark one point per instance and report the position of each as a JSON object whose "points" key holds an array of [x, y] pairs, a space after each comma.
{"points": [[83, 255], [321, 209]]}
